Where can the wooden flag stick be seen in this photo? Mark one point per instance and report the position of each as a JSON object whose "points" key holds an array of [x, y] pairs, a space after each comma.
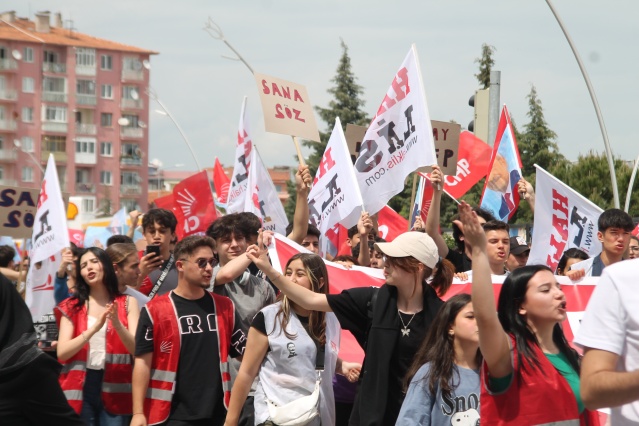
{"points": [[412, 198], [300, 158]]}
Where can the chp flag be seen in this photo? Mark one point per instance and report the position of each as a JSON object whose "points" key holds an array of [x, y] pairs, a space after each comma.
{"points": [[50, 236], [334, 198], [221, 182], [238, 191], [398, 141], [563, 219], [262, 198], [193, 205], [500, 195], [473, 161]]}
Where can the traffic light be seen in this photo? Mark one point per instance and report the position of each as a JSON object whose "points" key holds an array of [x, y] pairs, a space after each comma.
{"points": [[479, 125]]}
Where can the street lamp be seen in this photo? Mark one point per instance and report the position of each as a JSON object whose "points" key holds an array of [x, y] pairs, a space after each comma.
{"points": [[17, 145]]}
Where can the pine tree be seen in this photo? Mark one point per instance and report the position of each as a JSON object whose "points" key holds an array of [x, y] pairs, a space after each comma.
{"points": [[347, 104], [486, 63]]}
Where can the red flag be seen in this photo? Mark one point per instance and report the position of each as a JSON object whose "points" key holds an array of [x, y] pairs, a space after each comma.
{"points": [[390, 223], [165, 202], [635, 231], [193, 205], [221, 182], [76, 236], [473, 161]]}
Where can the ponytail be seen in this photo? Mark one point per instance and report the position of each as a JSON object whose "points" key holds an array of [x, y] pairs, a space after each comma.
{"points": [[443, 278]]}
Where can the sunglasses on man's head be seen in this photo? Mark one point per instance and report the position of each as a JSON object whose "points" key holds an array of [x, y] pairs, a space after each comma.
{"points": [[202, 262]]}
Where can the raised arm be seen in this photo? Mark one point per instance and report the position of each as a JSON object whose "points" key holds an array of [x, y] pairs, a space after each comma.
{"points": [[364, 228], [527, 192], [134, 216], [493, 341], [303, 182], [298, 294], [433, 218], [233, 269]]}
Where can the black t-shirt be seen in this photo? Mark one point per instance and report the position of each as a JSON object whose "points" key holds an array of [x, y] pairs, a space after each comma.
{"points": [[198, 377], [461, 262]]}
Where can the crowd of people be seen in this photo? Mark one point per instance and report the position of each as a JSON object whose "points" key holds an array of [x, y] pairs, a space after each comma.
{"points": [[208, 331]]}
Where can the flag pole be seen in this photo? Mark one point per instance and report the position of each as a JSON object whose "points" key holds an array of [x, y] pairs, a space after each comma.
{"points": [[412, 199], [452, 198]]}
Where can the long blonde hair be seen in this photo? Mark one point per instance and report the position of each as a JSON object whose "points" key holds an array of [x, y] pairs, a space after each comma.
{"points": [[316, 271]]}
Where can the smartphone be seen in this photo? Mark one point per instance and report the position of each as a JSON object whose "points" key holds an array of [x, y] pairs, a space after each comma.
{"points": [[153, 249]]}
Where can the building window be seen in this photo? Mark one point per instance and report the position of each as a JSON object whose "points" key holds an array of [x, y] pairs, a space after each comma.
{"points": [[54, 144], [130, 92], [106, 62], [106, 119], [82, 176], [105, 178], [106, 149], [131, 64], [27, 174], [85, 87], [87, 205], [107, 91], [130, 205], [130, 179], [50, 57], [27, 55], [28, 85], [130, 150], [85, 57], [27, 115], [52, 84], [27, 143], [84, 147], [55, 114], [133, 120]]}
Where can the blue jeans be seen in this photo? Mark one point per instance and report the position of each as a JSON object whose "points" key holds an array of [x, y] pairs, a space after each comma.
{"points": [[93, 411]]}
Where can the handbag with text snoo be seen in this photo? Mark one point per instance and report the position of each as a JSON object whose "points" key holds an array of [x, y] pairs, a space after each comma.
{"points": [[302, 410]]}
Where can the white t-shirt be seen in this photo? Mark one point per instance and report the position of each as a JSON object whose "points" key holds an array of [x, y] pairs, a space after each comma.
{"points": [[97, 346], [611, 323]]}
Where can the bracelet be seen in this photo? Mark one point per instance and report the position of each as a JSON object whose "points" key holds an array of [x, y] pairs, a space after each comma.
{"points": [[85, 339]]}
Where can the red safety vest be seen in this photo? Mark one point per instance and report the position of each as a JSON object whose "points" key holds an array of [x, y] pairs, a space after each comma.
{"points": [[166, 353], [118, 365], [536, 396]]}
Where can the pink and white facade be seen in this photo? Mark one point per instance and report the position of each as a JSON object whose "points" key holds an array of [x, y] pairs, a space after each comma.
{"points": [[81, 98]]}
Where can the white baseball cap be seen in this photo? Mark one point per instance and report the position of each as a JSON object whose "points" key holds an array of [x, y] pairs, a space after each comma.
{"points": [[416, 244]]}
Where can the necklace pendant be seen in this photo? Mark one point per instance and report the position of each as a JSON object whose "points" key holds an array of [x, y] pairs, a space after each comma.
{"points": [[405, 332]]}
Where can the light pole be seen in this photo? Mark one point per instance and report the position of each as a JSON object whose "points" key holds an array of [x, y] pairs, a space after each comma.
{"points": [[17, 145], [166, 112]]}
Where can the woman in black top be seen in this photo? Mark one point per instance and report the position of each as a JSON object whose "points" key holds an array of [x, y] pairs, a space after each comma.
{"points": [[388, 322]]}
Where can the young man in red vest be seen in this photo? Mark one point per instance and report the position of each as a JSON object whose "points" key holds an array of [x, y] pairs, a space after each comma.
{"points": [[195, 330]]}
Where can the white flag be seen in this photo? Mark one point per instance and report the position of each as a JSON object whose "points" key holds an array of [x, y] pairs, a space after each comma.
{"points": [[50, 236], [399, 139], [238, 193], [118, 222], [563, 219], [262, 198], [335, 197]]}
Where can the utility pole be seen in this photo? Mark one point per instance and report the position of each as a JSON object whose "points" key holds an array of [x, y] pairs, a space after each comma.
{"points": [[493, 106]]}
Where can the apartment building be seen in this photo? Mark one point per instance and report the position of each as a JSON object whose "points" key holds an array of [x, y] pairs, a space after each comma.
{"points": [[80, 98]]}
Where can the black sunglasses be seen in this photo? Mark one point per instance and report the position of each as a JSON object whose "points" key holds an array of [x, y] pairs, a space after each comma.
{"points": [[202, 262]]}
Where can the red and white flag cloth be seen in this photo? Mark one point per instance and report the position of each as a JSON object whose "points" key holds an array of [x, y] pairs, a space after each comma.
{"points": [[423, 198], [239, 181], [340, 278], [334, 198], [50, 236], [390, 223], [221, 181], [193, 205], [262, 199], [398, 141], [473, 163], [563, 219], [500, 195]]}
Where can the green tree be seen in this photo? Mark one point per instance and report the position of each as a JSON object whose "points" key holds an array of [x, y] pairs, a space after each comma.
{"points": [[347, 104], [486, 63]]}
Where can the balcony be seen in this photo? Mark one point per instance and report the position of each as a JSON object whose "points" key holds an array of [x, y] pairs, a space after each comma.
{"points": [[86, 99], [8, 155], [84, 188], [54, 97], [137, 75], [8, 95], [130, 190], [8, 125], [54, 67], [57, 156], [85, 70], [86, 158], [8, 182], [85, 129], [131, 132], [130, 160], [8, 64], [50, 126], [132, 104]]}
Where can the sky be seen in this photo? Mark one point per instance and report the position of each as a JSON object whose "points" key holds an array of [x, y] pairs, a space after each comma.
{"points": [[299, 41]]}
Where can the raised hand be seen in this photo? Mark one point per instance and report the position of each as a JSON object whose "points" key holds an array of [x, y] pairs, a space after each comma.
{"points": [[473, 232]]}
